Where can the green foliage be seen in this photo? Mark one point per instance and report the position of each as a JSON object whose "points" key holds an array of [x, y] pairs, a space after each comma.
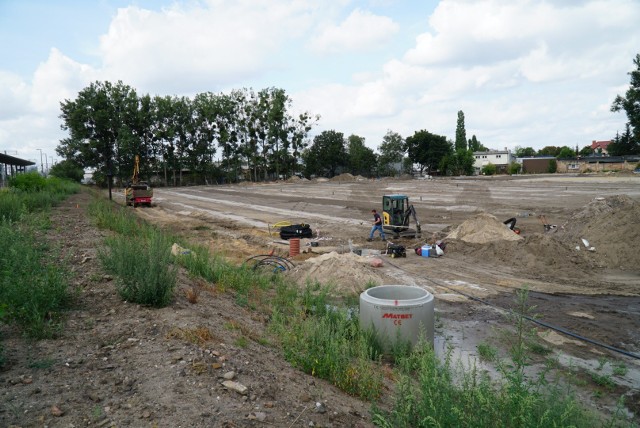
{"points": [[489, 169], [68, 169], [326, 155], [427, 149], [586, 151], [459, 163], [553, 166], [461, 134], [549, 151], [566, 152], [362, 160], [33, 291], [514, 168], [434, 393], [12, 206], [522, 152], [392, 150], [28, 182], [325, 341], [144, 268], [475, 145], [487, 352], [629, 143]]}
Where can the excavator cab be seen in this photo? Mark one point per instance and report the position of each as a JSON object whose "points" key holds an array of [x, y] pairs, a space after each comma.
{"points": [[137, 192], [396, 216]]}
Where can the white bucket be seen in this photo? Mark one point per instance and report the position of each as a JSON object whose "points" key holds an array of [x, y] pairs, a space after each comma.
{"points": [[398, 312]]}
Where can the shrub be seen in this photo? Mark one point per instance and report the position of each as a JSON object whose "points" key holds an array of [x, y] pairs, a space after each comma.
{"points": [[28, 182], [514, 168], [489, 169], [553, 166], [144, 268]]}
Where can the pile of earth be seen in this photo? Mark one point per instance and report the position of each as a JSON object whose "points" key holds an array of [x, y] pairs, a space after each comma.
{"points": [[481, 229], [343, 177], [296, 179], [348, 272], [611, 226]]}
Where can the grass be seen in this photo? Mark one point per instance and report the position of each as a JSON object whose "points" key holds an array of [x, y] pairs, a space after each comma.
{"points": [[34, 292], [487, 352]]}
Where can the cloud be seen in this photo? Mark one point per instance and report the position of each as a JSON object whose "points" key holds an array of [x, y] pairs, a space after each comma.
{"points": [[360, 31], [191, 46], [14, 95]]}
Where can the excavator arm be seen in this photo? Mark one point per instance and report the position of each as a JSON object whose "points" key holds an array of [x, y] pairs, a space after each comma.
{"points": [[411, 211]]}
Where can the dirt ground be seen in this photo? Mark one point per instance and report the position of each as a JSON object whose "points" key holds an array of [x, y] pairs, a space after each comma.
{"points": [[119, 364]]}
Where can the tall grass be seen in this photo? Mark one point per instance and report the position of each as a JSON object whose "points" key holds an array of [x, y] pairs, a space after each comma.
{"points": [[431, 392], [33, 292], [144, 268]]}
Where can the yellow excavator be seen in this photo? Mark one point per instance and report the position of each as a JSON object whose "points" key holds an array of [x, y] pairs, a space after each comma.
{"points": [[137, 192], [396, 216]]}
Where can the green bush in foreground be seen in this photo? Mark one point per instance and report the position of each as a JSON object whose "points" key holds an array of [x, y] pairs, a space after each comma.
{"points": [[144, 268]]}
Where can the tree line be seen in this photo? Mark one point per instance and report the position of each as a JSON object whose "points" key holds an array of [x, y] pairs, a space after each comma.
{"points": [[249, 135]]}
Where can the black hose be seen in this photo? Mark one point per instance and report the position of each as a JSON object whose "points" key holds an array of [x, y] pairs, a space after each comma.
{"points": [[288, 263], [535, 321]]}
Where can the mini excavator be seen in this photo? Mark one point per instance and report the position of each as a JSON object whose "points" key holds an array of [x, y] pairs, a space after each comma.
{"points": [[396, 216], [137, 192]]}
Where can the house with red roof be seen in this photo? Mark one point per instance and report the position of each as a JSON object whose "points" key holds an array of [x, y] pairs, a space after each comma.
{"points": [[600, 147]]}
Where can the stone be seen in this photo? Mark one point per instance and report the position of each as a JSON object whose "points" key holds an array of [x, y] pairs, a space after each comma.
{"points": [[235, 386], [229, 375]]}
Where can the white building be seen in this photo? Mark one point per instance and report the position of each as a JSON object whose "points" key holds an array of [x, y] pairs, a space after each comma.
{"points": [[500, 158]]}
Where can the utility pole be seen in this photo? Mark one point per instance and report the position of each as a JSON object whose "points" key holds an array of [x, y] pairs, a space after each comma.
{"points": [[41, 166]]}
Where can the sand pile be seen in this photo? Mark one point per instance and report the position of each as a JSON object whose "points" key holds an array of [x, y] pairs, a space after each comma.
{"points": [[482, 229], [612, 226], [343, 177], [349, 272]]}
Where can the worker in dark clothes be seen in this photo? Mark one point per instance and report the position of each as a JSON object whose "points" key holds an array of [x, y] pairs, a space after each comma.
{"points": [[377, 225]]}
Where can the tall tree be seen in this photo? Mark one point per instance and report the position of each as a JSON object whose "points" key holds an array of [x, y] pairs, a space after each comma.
{"points": [[461, 133], [326, 155], [630, 103], [362, 159], [475, 145], [522, 152], [392, 152], [427, 149]]}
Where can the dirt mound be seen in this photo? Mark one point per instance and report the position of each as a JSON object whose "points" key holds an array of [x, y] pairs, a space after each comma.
{"points": [[610, 226], [296, 179], [349, 272], [482, 229], [343, 177]]}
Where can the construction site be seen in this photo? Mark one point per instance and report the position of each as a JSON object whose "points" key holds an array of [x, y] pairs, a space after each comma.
{"points": [[576, 250]]}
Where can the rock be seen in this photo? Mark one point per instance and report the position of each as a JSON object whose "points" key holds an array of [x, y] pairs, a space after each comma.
{"points": [[55, 411], [216, 365], [235, 386], [320, 408], [269, 404], [229, 375]]}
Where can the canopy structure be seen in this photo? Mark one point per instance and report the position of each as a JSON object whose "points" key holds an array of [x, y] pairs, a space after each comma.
{"points": [[10, 166]]}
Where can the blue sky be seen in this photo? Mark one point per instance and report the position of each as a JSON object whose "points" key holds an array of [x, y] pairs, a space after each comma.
{"points": [[527, 73]]}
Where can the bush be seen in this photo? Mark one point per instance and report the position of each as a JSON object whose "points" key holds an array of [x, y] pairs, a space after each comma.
{"points": [[514, 168], [144, 268], [68, 169], [489, 169], [28, 182], [553, 166]]}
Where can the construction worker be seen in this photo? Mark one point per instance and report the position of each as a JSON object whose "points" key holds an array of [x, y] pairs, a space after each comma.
{"points": [[377, 225]]}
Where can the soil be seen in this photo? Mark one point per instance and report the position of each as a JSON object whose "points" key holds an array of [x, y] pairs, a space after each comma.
{"points": [[119, 364]]}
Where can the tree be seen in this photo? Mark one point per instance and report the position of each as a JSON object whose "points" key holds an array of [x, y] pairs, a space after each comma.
{"points": [[392, 151], [427, 149], [514, 168], [586, 151], [630, 103], [522, 152], [553, 166], [475, 145], [549, 151], [623, 145], [461, 133], [566, 152], [326, 155], [68, 169], [362, 159]]}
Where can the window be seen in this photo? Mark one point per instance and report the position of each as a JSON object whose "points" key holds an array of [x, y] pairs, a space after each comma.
{"points": [[498, 156]]}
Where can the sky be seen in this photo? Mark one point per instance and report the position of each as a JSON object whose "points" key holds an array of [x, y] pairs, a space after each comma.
{"points": [[528, 73]]}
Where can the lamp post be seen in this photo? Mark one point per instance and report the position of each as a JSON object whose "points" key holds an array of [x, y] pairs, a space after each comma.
{"points": [[41, 166]]}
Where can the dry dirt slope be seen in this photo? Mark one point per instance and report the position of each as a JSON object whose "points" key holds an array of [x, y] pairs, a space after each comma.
{"points": [[119, 364]]}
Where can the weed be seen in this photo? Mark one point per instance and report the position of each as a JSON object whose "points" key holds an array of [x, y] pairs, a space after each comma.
{"points": [[241, 342], [487, 352], [42, 364], [198, 335], [603, 380], [620, 369], [602, 361], [192, 294], [201, 227]]}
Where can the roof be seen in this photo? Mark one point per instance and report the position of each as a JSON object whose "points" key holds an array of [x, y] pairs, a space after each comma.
{"points": [[492, 152], [600, 144], [10, 160]]}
